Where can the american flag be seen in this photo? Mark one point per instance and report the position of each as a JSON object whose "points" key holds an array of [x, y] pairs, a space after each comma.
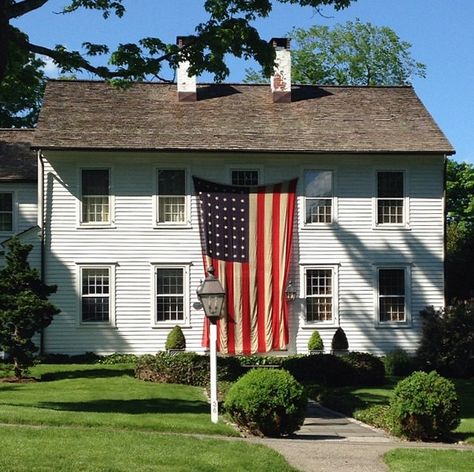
{"points": [[246, 236]]}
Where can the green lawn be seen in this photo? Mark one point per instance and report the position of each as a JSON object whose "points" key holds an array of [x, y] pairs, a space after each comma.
{"points": [[429, 460], [98, 418], [350, 399]]}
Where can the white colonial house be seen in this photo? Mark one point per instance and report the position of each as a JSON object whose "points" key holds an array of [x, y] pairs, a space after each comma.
{"points": [[119, 215]]}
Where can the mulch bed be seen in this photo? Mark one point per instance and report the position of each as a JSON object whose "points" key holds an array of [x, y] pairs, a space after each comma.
{"points": [[18, 380]]}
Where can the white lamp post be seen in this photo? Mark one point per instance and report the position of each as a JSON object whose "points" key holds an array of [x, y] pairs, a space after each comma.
{"points": [[211, 295]]}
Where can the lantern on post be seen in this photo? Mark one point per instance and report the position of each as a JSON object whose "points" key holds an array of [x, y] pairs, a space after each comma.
{"points": [[212, 295], [290, 292]]}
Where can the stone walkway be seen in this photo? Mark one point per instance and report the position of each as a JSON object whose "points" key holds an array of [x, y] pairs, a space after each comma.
{"points": [[331, 442]]}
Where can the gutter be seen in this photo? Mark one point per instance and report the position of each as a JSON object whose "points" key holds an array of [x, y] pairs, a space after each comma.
{"points": [[40, 222], [445, 223]]}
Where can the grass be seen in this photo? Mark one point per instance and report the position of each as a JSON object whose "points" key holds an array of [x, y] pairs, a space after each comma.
{"points": [[106, 397], [428, 460], [98, 418], [354, 401], [85, 450]]}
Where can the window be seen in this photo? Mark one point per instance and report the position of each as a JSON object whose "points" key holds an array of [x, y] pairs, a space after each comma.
{"points": [[171, 196], [171, 295], [6, 212], [390, 198], [392, 295], [245, 177], [319, 295], [95, 196], [95, 294], [318, 190]]}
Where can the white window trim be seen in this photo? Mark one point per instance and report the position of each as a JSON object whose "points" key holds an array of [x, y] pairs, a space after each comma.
{"points": [[407, 323], [406, 202], [102, 224], [335, 295], [186, 296], [243, 167], [15, 213], [334, 206], [111, 266], [187, 199]]}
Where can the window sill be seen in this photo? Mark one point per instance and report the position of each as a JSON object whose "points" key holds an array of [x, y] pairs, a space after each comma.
{"points": [[168, 325], [319, 324], [391, 227], [319, 226], [91, 325], [165, 226], [98, 226], [394, 325]]}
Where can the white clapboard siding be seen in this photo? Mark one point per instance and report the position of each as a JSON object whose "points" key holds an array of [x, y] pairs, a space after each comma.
{"points": [[133, 244]]}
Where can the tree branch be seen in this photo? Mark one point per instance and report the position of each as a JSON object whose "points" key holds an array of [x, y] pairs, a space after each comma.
{"points": [[21, 8]]}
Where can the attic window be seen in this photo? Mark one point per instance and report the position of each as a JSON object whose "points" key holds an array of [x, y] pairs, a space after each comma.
{"points": [[171, 196], [95, 196], [390, 198], [245, 177]]}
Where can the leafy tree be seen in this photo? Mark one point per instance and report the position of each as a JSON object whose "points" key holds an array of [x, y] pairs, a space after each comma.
{"points": [[21, 90], [354, 53], [228, 29], [24, 306], [460, 230]]}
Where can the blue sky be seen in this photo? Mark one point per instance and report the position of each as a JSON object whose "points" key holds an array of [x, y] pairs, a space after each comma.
{"points": [[441, 33]]}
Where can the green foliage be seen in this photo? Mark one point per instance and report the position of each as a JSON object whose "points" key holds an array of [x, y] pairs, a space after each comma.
{"points": [[186, 368], [353, 53], [366, 369], [398, 363], [175, 339], [379, 416], [425, 407], [24, 306], [324, 369], [228, 29], [315, 342], [267, 402], [447, 342], [119, 358], [261, 360], [460, 230], [339, 340], [57, 358]]}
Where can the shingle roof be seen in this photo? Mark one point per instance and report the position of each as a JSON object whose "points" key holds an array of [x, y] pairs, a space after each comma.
{"points": [[17, 160], [148, 116]]}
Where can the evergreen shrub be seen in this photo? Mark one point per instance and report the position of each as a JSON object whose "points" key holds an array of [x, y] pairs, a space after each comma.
{"points": [[366, 369], [399, 363], [267, 402], [175, 339], [424, 406], [315, 342], [339, 340]]}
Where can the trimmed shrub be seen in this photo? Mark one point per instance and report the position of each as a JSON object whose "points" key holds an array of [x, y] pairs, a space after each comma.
{"points": [[267, 402], [367, 369], [447, 342], [186, 368], [119, 358], [339, 340], [379, 416], [315, 342], [260, 360], [324, 369], [175, 339], [399, 364], [424, 406]]}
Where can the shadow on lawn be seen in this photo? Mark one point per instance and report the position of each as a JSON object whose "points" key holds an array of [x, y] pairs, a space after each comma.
{"points": [[161, 405], [348, 404], [87, 374]]}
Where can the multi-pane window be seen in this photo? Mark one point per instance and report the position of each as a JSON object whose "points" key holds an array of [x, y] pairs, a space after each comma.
{"points": [[95, 294], [318, 190], [170, 294], [392, 297], [6, 211], [245, 177], [390, 197], [319, 295], [171, 196], [95, 196]]}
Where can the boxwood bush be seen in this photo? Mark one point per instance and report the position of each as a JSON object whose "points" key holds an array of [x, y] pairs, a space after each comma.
{"points": [[424, 406], [186, 368], [399, 364], [315, 342], [175, 339], [267, 402], [366, 369]]}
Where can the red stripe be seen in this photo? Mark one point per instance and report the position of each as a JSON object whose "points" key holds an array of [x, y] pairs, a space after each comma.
{"points": [[260, 268], [289, 242], [245, 287], [229, 278], [276, 262], [215, 265]]}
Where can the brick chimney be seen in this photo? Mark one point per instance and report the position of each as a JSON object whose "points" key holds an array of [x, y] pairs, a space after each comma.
{"points": [[186, 83], [280, 81]]}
